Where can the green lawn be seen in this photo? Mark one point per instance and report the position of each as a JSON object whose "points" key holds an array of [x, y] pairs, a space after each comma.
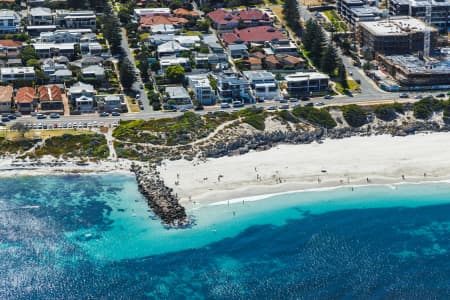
{"points": [[351, 86], [336, 20]]}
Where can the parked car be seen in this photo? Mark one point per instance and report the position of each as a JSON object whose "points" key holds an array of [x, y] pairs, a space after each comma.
{"points": [[12, 117], [41, 116], [304, 98], [224, 105], [283, 101], [418, 97], [238, 104], [293, 100], [404, 95], [5, 119], [320, 104], [104, 114], [54, 116], [441, 95], [284, 106], [115, 114], [272, 107], [328, 97]]}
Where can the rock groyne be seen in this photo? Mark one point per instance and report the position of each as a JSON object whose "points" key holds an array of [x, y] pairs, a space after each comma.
{"points": [[160, 198]]}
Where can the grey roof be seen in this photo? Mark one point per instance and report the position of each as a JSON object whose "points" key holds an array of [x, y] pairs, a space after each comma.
{"points": [[177, 92], [96, 70], [258, 75], [236, 47], [40, 11], [171, 46], [63, 73], [80, 87]]}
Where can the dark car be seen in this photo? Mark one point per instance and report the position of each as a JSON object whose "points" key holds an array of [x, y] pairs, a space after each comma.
{"points": [[404, 95], [104, 114], [12, 117], [115, 114], [304, 98], [5, 119], [442, 95], [41, 116], [54, 116]]}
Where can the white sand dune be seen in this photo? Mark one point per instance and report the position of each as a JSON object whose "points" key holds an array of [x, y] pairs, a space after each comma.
{"points": [[351, 161]]}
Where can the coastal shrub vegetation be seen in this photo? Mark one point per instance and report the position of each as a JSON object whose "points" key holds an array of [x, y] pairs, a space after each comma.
{"points": [[12, 147], [388, 112], [254, 116], [320, 117], [91, 146], [354, 115], [424, 108], [170, 131], [287, 116]]}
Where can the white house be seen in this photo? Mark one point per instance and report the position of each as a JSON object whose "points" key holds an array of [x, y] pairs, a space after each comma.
{"points": [[171, 48], [263, 84], [9, 21], [93, 72], [45, 50], [178, 97], [201, 86], [110, 103], [40, 16], [59, 37], [305, 83], [82, 96], [17, 73], [150, 12], [76, 18]]}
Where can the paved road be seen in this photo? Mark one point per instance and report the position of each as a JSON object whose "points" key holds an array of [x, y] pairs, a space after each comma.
{"points": [[138, 85]]}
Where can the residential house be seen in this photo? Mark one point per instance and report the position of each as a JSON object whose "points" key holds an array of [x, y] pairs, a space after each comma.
{"points": [[158, 39], [231, 88], [354, 11], [283, 47], [35, 31], [46, 50], [179, 97], [91, 48], [255, 35], [6, 93], [184, 13], [90, 61], [212, 42], [58, 37], [50, 99], [76, 18], [10, 48], [254, 63], [17, 73], [110, 103], [201, 86], [291, 62], [271, 62], [149, 12], [14, 62], [299, 83], [26, 100], [172, 48], [174, 61], [39, 16], [224, 20], [146, 23], [93, 72], [9, 21], [81, 95], [61, 75], [238, 50], [163, 29], [263, 84], [188, 41]]}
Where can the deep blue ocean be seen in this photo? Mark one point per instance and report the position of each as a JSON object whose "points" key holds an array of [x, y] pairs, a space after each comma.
{"points": [[93, 237]]}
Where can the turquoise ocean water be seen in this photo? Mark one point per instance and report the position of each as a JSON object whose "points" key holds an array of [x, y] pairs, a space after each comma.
{"points": [[93, 236]]}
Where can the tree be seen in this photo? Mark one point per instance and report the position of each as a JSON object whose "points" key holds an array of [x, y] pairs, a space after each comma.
{"points": [[329, 60], [291, 14], [155, 66], [309, 34], [126, 72], [175, 74], [33, 63], [143, 66], [21, 128], [354, 115], [28, 53], [203, 25]]}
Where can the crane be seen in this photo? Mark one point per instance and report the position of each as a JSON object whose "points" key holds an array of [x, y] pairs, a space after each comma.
{"points": [[427, 33]]}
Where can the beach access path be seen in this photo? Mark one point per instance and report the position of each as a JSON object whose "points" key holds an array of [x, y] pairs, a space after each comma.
{"points": [[349, 162]]}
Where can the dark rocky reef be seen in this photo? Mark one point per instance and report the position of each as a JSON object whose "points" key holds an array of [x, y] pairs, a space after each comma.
{"points": [[160, 198]]}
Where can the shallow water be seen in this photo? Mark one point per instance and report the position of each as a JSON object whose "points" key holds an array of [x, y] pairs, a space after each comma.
{"points": [[78, 237]]}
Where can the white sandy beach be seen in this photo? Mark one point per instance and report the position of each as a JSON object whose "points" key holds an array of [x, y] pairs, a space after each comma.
{"points": [[351, 161]]}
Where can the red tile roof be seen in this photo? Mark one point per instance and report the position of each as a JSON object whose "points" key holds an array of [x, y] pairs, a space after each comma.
{"points": [[221, 16], [252, 15], [254, 61], [258, 34], [25, 95], [185, 12], [52, 93], [6, 93], [10, 43], [161, 20]]}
